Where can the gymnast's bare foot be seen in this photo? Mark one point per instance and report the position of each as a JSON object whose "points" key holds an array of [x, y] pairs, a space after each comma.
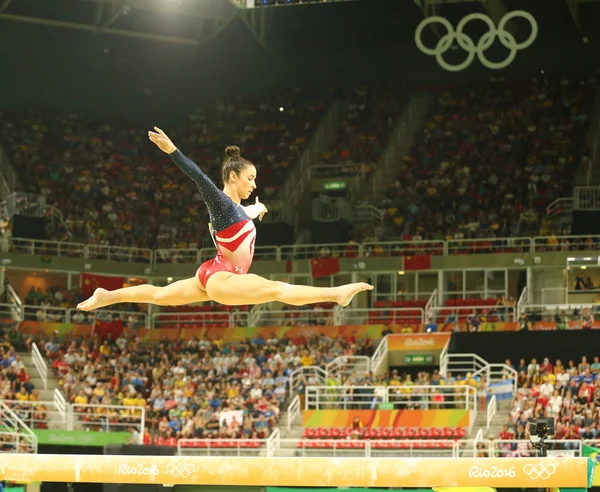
{"points": [[345, 293], [101, 298]]}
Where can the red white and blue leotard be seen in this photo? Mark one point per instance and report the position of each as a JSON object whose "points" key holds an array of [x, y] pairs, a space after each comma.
{"points": [[231, 228]]}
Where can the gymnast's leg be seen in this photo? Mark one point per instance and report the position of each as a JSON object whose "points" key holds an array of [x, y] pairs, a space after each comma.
{"points": [[234, 290], [186, 291]]}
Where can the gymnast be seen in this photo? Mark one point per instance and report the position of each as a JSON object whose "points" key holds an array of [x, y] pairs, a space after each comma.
{"points": [[225, 278]]}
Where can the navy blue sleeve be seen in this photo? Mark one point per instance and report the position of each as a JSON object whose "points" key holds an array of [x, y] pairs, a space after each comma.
{"points": [[208, 190], [223, 211]]}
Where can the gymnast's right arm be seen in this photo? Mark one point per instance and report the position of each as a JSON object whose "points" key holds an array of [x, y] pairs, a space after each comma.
{"points": [[208, 190], [205, 185]]}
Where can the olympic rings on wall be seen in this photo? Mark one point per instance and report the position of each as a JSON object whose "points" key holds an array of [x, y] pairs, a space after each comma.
{"points": [[467, 44]]}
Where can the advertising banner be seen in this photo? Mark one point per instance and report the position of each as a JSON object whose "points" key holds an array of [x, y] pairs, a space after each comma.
{"points": [[386, 418], [80, 438]]}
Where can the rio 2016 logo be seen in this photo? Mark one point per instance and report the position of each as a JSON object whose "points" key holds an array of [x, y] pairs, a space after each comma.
{"points": [[140, 469], [492, 472]]}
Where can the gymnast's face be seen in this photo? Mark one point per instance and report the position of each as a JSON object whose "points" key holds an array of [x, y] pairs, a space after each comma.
{"points": [[245, 182]]}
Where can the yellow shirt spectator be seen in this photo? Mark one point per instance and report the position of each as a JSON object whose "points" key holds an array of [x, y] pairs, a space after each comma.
{"points": [[307, 360], [81, 400], [22, 396], [105, 350]]}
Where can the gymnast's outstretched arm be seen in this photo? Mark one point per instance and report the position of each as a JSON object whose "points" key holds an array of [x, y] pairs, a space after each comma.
{"points": [[214, 198]]}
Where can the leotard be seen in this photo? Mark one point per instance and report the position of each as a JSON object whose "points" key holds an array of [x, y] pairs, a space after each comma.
{"points": [[231, 229]]}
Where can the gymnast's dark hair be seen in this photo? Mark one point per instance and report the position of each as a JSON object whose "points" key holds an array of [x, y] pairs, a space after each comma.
{"points": [[233, 162]]}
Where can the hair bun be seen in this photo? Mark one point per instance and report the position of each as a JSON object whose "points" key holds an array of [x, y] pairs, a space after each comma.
{"points": [[233, 151]]}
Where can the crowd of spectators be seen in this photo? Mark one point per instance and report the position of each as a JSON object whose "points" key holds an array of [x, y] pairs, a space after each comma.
{"points": [[103, 176], [190, 389], [509, 147], [365, 129], [569, 394]]}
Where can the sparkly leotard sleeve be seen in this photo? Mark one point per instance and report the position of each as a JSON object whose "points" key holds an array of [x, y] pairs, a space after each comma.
{"points": [[233, 232]]}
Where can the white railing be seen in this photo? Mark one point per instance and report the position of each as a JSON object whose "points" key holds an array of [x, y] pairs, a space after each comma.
{"points": [[524, 449], [548, 313], [478, 443], [61, 405], [192, 319], [311, 316], [460, 314], [17, 431], [489, 245], [560, 206], [294, 411], [566, 243], [384, 316], [522, 301], [273, 443], [40, 364], [10, 311], [38, 414], [414, 397], [305, 374], [223, 447], [375, 448], [51, 314], [106, 418], [118, 253], [478, 367], [307, 251], [380, 357], [492, 409], [134, 319], [402, 248], [444, 359], [345, 365]]}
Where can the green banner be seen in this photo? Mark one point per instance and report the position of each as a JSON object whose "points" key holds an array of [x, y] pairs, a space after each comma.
{"points": [[80, 438], [418, 359], [593, 453]]}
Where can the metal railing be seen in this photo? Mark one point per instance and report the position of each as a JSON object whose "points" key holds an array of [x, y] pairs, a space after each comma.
{"points": [[478, 367], [459, 314], [16, 431], [384, 316], [306, 374], [40, 364], [375, 448], [346, 365], [312, 316], [524, 449], [307, 251], [193, 319], [492, 409], [222, 447], [379, 359], [414, 397], [294, 411], [106, 418], [38, 414]]}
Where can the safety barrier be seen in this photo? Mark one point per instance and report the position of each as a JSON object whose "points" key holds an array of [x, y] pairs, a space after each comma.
{"points": [[492, 410], [40, 364], [38, 414], [307, 251], [403, 397], [106, 418], [14, 433], [316, 471]]}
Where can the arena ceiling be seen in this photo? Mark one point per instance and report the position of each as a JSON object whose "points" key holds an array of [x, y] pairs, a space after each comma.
{"points": [[195, 22]]}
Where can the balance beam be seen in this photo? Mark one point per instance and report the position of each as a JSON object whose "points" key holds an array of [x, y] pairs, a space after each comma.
{"points": [[300, 472]]}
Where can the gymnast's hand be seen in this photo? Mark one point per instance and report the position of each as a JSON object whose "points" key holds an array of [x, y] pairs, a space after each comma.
{"points": [[162, 141], [261, 208]]}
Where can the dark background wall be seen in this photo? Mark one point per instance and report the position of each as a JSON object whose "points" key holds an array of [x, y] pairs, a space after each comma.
{"points": [[332, 44], [496, 347]]}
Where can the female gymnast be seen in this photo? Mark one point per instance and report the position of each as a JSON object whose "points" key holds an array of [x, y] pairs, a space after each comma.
{"points": [[225, 278]]}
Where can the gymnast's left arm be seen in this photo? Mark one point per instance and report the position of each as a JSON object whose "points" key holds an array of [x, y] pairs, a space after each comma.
{"points": [[257, 210]]}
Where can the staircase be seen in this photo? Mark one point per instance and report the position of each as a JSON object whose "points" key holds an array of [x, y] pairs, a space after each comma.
{"points": [[589, 175], [299, 179], [386, 171]]}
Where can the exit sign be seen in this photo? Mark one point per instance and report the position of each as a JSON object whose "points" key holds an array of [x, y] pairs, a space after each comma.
{"points": [[418, 359], [335, 185]]}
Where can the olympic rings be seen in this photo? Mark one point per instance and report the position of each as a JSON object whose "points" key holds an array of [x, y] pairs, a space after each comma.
{"points": [[177, 470], [467, 44], [543, 472]]}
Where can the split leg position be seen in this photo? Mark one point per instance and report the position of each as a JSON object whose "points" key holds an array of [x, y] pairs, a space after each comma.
{"points": [[226, 288]]}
